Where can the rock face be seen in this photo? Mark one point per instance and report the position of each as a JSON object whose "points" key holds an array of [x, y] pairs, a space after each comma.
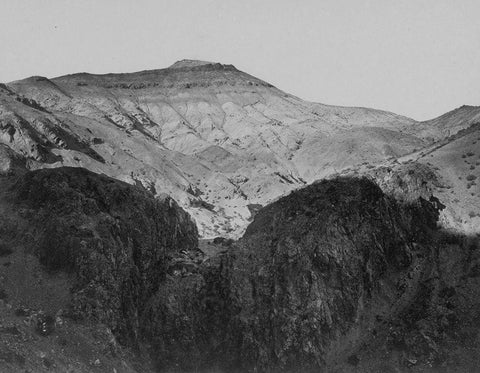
{"points": [[113, 240]]}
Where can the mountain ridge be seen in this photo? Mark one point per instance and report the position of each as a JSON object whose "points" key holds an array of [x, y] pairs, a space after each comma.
{"points": [[206, 133]]}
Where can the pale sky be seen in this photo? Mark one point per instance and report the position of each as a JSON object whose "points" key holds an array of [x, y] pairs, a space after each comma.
{"points": [[419, 58]]}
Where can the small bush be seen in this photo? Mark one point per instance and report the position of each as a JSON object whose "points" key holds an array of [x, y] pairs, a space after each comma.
{"points": [[471, 177]]}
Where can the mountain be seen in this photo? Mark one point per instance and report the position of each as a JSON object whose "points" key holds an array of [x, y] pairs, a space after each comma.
{"points": [[107, 182], [219, 141], [216, 139]]}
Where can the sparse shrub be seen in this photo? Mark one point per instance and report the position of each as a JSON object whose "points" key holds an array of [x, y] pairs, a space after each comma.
{"points": [[471, 177], [202, 204]]}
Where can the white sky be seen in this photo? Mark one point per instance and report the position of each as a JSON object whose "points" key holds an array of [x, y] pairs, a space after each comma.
{"points": [[419, 58]]}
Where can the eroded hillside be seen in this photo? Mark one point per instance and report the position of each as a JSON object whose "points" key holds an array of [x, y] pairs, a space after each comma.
{"points": [[214, 138]]}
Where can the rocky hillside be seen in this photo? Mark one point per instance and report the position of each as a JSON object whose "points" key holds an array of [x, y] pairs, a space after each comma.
{"points": [[78, 249], [214, 138], [320, 270], [339, 276], [449, 170], [450, 123], [98, 275], [457, 162]]}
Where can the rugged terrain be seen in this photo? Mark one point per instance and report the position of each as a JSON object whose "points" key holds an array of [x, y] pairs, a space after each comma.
{"points": [[84, 247], [98, 275], [214, 138], [359, 229]]}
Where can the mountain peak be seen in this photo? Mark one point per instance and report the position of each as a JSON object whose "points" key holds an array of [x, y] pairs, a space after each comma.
{"points": [[189, 63], [197, 64]]}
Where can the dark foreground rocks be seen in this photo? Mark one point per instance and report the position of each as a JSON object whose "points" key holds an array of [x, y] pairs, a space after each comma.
{"points": [[87, 246], [318, 271], [337, 276], [115, 239]]}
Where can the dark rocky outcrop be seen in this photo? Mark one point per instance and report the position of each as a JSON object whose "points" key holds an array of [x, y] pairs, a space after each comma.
{"points": [[316, 274], [115, 240], [317, 269], [337, 276]]}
